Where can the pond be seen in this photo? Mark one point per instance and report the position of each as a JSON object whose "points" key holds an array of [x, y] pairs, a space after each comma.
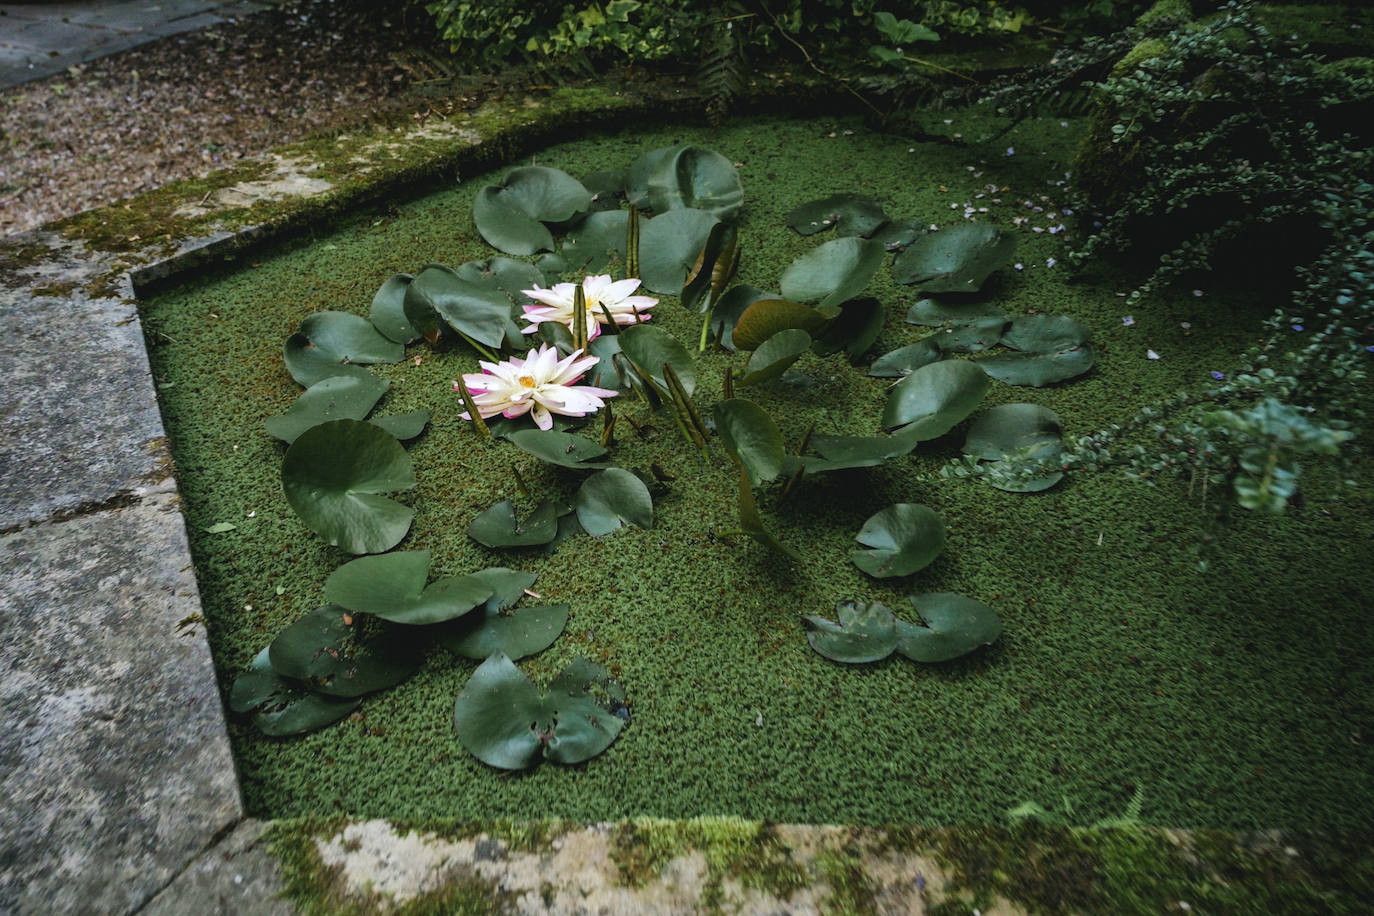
{"points": [[1233, 697]]}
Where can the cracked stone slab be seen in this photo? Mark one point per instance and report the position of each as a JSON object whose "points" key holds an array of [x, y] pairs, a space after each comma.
{"points": [[115, 767], [79, 422], [237, 877]]}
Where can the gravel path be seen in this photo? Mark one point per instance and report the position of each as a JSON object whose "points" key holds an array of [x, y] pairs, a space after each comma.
{"points": [[189, 105]]}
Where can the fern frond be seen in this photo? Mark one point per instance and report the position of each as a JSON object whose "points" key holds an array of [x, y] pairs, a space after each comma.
{"points": [[721, 75]]}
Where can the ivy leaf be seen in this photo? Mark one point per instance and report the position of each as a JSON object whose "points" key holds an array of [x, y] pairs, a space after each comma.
{"points": [[904, 538], [609, 499], [954, 626], [330, 653], [865, 633], [392, 586], [497, 526]]}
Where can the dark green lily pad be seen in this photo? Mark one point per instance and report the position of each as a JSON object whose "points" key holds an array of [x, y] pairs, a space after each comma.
{"points": [[480, 312], [517, 632], [954, 626], [933, 314], [392, 586], [607, 188], [864, 633], [284, 707], [335, 398], [972, 336], [590, 244], [752, 523], [956, 259], [832, 273], [505, 722], [563, 449], [607, 501], [766, 317], [903, 361], [669, 246], [904, 538], [934, 398], [338, 654], [388, 313], [335, 343], [605, 374], [334, 475], [1017, 431], [403, 426], [727, 312], [511, 216], [649, 347], [751, 437], [504, 274], [775, 355], [1039, 369], [498, 527], [1046, 333], [841, 452], [685, 177], [847, 214], [854, 331], [898, 234]]}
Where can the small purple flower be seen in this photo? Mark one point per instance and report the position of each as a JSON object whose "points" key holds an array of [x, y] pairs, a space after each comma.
{"points": [[1218, 375], [1011, 151], [1128, 320], [1297, 327], [1050, 262], [1369, 349]]}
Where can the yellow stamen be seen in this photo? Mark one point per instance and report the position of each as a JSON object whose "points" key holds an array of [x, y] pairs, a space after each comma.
{"points": [[527, 381]]}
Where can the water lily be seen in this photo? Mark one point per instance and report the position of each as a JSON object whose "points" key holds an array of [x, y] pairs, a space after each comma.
{"points": [[541, 385], [600, 291]]}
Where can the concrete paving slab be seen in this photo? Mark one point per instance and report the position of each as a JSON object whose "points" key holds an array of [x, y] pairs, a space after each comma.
{"points": [[114, 757], [238, 877], [79, 423]]}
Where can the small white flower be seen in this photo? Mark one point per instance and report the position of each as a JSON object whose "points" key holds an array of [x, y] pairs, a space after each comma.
{"points": [[1151, 354], [1050, 262], [599, 290], [1128, 320], [540, 385]]}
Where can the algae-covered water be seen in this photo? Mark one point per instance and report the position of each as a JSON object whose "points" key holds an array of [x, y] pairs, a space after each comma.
{"points": [[1238, 697]]}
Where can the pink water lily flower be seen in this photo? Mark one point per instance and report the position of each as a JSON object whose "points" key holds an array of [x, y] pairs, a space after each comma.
{"points": [[541, 385], [599, 290]]}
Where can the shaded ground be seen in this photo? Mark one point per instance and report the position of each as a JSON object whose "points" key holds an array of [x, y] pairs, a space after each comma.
{"points": [[189, 105]]}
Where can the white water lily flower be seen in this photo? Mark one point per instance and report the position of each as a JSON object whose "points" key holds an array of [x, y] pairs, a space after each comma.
{"points": [[599, 290], [540, 384]]}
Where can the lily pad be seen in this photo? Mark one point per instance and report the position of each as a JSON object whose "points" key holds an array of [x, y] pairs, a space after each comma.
{"points": [[284, 707], [563, 449], [766, 317], [864, 633], [335, 398], [334, 343], [607, 501], [903, 361], [403, 426], [477, 311], [607, 188], [498, 527], [751, 523], [334, 475], [972, 336], [669, 246], [517, 632], [649, 347], [388, 313], [1017, 431], [1039, 369], [934, 398], [511, 216], [775, 355], [714, 267], [392, 586], [933, 314], [904, 538], [847, 214], [685, 177], [504, 721], [1046, 333], [954, 626], [956, 259], [335, 653], [854, 331], [590, 244], [898, 234], [833, 272], [727, 312], [504, 274], [751, 437]]}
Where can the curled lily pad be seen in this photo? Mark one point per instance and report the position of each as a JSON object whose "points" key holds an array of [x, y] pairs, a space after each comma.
{"points": [[766, 317], [714, 267], [933, 314], [726, 313], [1017, 431], [904, 538], [497, 627], [335, 398], [864, 633], [669, 246], [479, 312], [498, 527], [1039, 369], [775, 355], [847, 214], [752, 523], [956, 259], [934, 398], [563, 449], [334, 475], [392, 586], [284, 707], [606, 501], [504, 721], [751, 437], [388, 313], [855, 329], [685, 177], [954, 626], [403, 426], [590, 244], [903, 361], [336, 653], [650, 347], [334, 343], [511, 216], [833, 272]]}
